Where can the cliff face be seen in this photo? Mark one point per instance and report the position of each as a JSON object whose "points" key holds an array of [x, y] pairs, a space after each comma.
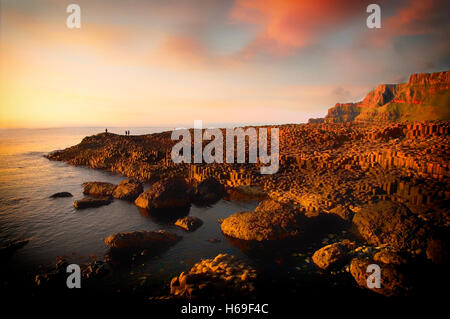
{"points": [[346, 112], [426, 96]]}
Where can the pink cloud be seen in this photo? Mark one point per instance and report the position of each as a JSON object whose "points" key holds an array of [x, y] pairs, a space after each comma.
{"points": [[288, 25]]}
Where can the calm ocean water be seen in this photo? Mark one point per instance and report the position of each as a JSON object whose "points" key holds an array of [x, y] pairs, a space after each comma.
{"points": [[55, 228]]}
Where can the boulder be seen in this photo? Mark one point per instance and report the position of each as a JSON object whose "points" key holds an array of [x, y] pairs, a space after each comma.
{"points": [[330, 256], [128, 190], [61, 194], [88, 202], [222, 276], [393, 281], [141, 239], [208, 191], [165, 194], [98, 188], [269, 221], [189, 223], [389, 223]]}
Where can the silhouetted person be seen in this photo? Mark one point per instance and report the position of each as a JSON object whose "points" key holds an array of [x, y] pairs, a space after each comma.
{"points": [[106, 130]]}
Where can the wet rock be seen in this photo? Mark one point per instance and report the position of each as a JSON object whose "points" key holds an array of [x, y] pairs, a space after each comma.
{"points": [[208, 191], [141, 239], [98, 188], [61, 194], [330, 256], [189, 223], [393, 280], [389, 223], [269, 221], [165, 194], [89, 202], [222, 276], [128, 189]]}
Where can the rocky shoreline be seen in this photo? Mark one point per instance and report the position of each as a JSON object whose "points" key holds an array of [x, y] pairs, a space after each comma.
{"points": [[383, 185]]}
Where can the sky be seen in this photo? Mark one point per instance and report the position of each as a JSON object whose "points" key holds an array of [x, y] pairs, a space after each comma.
{"points": [[168, 63]]}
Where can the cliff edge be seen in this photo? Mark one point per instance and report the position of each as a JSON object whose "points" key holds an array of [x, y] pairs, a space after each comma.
{"points": [[425, 97]]}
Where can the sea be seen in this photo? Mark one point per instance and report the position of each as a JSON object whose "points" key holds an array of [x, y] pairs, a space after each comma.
{"points": [[56, 229]]}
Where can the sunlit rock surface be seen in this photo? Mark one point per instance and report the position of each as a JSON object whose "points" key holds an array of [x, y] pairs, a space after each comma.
{"points": [[223, 276]]}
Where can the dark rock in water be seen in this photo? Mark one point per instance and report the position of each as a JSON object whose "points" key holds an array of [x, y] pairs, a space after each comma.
{"points": [[128, 189], [10, 247], [97, 270], [208, 191], [61, 194], [54, 278], [222, 276], [393, 279], [88, 202], [389, 223], [165, 194], [141, 239], [270, 221], [98, 188], [189, 223], [331, 255]]}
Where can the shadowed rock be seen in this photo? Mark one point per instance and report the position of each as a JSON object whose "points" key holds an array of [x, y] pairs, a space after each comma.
{"points": [[9, 248], [141, 239], [165, 194], [128, 190], [189, 223], [393, 280], [208, 191], [389, 223], [98, 188], [61, 194], [89, 202]]}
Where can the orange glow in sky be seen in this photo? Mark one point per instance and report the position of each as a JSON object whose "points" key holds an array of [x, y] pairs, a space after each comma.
{"points": [[162, 63]]}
